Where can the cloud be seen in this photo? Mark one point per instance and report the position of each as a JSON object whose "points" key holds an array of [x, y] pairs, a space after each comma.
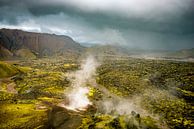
{"points": [[145, 23], [129, 7], [125, 8]]}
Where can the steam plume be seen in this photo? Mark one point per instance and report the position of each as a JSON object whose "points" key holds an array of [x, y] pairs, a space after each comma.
{"points": [[77, 98]]}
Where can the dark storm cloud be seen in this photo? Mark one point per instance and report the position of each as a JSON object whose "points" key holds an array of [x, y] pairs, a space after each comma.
{"points": [[142, 23]]}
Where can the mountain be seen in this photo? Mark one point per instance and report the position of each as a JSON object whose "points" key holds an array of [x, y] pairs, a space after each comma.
{"points": [[17, 43]]}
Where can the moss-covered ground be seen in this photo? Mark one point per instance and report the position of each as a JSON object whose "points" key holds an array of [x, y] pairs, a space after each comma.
{"points": [[163, 87], [30, 91]]}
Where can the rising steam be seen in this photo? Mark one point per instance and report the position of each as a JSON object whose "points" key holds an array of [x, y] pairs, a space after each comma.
{"points": [[116, 105], [77, 98]]}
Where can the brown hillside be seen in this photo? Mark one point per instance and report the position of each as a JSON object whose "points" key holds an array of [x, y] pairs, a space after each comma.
{"points": [[40, 43]]}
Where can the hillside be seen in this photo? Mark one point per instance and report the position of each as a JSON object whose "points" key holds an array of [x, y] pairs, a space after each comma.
{"points": [[120, 51], [36, 44]]}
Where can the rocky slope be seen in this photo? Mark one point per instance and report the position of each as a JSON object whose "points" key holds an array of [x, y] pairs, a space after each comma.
{"points": [[11, 41]]}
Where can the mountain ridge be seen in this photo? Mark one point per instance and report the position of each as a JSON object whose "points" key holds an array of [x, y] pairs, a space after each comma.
{"points": [[43, 44]]}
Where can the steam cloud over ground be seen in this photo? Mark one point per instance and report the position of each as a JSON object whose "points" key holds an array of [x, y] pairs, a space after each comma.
{"points": [[77, 98]]}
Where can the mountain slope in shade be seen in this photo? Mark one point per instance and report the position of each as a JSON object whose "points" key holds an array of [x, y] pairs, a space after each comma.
{"points": [[5, 53], [38, 43]]}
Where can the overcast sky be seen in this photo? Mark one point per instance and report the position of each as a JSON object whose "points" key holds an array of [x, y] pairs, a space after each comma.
{"points": [[148, 24]]}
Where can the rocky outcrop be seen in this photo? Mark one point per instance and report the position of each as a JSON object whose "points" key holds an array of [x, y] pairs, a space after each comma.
{"points": [[7, 70], [40, 43], [5, 53], [25, 54]]}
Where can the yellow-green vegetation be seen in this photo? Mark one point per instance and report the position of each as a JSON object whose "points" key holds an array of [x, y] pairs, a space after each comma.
{"points": [[47, 99], [21, 116], [91, 93], [40, 83], [162, 88], [7, 70], [25, 69], [94, 94], [165, 88], [187, 94], [3, 86], [133, 76], [176, 112], [69, 66], [4, 96], [38, 87], [133, 121]]}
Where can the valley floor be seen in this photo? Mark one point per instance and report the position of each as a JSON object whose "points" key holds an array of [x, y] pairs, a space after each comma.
{"points": [[125, 93]]}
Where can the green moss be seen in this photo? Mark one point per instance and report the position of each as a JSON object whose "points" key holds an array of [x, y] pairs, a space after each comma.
{"points": [[186, 93], [149, 123], [3, 86], [94, 94], [46, 99], [7, 70], [86, 123], [45, 80], [25, 69], [41, 83], [97, 122], [21, 116], [4, 96], [54, 90], [103, 121], [118, 122], [171, 108]]}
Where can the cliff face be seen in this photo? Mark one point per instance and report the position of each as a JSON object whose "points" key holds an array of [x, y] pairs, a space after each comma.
{"points": [[41, 44]]}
